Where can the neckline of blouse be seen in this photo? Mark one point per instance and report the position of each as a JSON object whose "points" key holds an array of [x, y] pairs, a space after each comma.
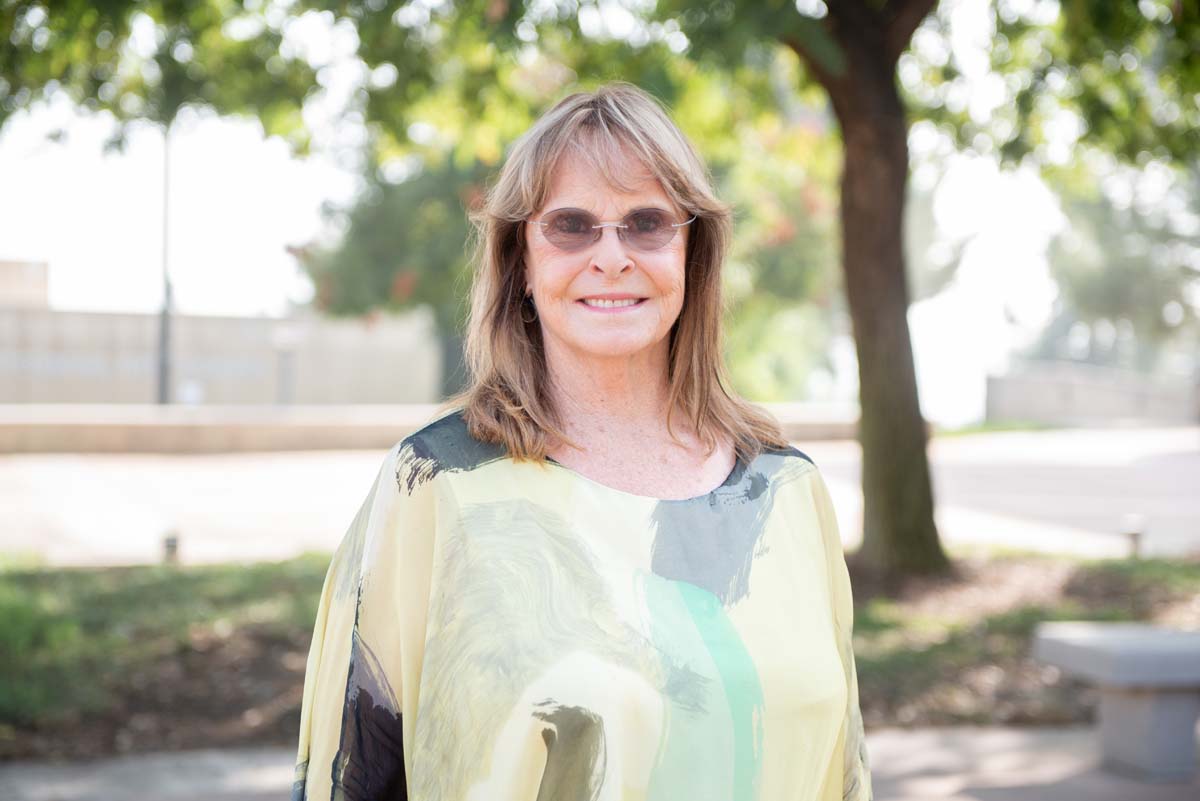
{"points": [[730, 480]]}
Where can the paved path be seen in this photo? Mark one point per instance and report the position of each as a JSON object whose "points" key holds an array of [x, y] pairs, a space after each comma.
{"points": [[957, 764], [1060, 491], [1065, 491]]}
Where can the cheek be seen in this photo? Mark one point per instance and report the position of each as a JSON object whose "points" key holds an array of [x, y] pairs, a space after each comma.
{"points": [[672, 280], [555, 278], [540, 271]]}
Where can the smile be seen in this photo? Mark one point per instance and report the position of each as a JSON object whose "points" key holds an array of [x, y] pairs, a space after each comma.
{"points": [[611, 305]]}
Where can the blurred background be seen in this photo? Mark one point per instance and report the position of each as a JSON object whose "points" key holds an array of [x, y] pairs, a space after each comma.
{"points": [[234, 268]]}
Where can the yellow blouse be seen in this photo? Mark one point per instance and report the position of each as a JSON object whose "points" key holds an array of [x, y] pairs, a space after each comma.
{"points": [[493, 630]]}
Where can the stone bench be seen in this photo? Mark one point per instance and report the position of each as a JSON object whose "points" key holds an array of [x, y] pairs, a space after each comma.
{"points": [[1149, 681]]}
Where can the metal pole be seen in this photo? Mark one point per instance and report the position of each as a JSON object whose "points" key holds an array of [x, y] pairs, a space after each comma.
{"points": [[164, 321]]}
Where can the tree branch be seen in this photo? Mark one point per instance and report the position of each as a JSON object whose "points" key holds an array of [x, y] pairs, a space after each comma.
{"points": [[853, 12], [816, 43], [900, 20]]}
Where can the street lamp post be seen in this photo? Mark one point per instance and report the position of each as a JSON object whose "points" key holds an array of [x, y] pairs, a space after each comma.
{"points": [[164, 320]]}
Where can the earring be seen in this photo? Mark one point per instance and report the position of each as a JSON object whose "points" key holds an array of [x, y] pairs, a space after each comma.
{"points": [[528, 302]]}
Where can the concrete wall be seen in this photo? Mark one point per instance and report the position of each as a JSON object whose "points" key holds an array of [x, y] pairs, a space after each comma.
{"points": [[150, 428], [96, 357], [1064, 393]]}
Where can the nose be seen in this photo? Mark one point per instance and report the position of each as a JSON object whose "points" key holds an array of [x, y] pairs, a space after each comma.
{"points": [[609, 255]]}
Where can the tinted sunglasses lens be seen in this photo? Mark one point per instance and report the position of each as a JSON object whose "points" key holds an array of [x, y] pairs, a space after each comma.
{"points": [[649, 229], [569, 230]]}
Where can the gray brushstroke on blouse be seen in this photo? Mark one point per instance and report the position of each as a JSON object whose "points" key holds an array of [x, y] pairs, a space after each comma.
{"points": [[710, 541], [443, 445]]}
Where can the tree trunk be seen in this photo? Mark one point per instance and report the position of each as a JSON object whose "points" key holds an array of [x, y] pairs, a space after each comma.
{"points": [[899, 534]]}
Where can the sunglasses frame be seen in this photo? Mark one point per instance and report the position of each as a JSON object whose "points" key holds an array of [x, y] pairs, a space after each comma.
{"points": [[619, 225]]}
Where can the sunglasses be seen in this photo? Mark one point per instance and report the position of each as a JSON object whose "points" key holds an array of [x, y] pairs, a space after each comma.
{"points": [[576, 229]]}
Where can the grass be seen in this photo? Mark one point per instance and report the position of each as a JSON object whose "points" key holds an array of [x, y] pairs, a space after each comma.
{"points": [[998, 425], [67, 634]]}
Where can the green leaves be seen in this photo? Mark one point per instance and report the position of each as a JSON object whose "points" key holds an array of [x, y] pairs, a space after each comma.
{"points": [[1129, 72], [405, 244], [146, 60]]}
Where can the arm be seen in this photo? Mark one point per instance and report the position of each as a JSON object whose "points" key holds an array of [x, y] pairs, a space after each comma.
{"points": [[850, 768], [351, 722]]}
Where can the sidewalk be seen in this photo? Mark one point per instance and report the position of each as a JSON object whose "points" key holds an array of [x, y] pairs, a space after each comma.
{"points": [[1060, 491], [955, 764]]}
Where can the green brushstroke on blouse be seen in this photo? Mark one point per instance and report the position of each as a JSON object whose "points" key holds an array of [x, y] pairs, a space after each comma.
{"points": [[739, 678], [696, 728], [724, 731]]}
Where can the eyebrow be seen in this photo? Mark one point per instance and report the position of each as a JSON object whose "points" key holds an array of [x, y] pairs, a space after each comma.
{"points": [[626, 213]]}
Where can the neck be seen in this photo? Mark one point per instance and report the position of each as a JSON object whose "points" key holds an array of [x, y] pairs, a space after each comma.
{"points": [[620, 396]]}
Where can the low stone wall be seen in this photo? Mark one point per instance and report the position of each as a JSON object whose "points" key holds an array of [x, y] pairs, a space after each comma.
{"points": [[147, 428], [50, 356], [1062, 393]]}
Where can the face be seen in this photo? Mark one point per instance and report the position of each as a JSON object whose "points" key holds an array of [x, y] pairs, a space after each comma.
{"points": [[560, 281]]}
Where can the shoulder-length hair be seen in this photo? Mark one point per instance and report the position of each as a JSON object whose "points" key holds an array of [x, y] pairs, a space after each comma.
{"points": [[507, 397]]}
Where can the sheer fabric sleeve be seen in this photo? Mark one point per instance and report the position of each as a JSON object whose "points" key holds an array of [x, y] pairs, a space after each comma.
{"points": [[849, 773], [369, 621]]}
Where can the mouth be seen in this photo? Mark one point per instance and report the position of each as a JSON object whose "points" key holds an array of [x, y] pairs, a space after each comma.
{"points": [[600, 305]]}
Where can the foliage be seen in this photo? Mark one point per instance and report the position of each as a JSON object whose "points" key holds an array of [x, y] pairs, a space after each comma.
{"points": [[782, 277], [145, 60], [405, 244], [1126, 263], [1121, 77]]}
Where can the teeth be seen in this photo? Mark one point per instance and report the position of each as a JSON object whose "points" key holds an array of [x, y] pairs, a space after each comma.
{"points": [[605, 304]]}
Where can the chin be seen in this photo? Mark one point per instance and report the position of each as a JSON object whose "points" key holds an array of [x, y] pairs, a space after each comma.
{"points": [[611, 348]]}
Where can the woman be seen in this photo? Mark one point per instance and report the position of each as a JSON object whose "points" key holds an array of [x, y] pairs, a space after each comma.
{"points": [[598, 574]]}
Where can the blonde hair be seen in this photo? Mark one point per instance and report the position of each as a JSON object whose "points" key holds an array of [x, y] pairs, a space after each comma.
{"points": [[507, 399]]}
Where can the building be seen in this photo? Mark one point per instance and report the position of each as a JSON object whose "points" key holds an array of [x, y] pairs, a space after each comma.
{"points": [[54, 356]]}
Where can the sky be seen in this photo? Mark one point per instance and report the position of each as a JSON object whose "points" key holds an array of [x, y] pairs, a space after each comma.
{"points": [[237, 200]]}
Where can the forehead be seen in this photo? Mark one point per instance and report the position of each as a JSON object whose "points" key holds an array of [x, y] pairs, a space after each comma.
{"points": [[581, 183]]}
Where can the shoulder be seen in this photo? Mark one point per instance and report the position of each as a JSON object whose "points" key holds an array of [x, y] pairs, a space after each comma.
{"points": [[442, 445]]}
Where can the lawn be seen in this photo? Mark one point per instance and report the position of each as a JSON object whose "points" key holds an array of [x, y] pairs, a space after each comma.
{"points": [[110, 660], [104, 660]]}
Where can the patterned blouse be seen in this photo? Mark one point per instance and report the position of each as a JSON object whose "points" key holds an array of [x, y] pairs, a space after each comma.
{"points": [[494, 630]]}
